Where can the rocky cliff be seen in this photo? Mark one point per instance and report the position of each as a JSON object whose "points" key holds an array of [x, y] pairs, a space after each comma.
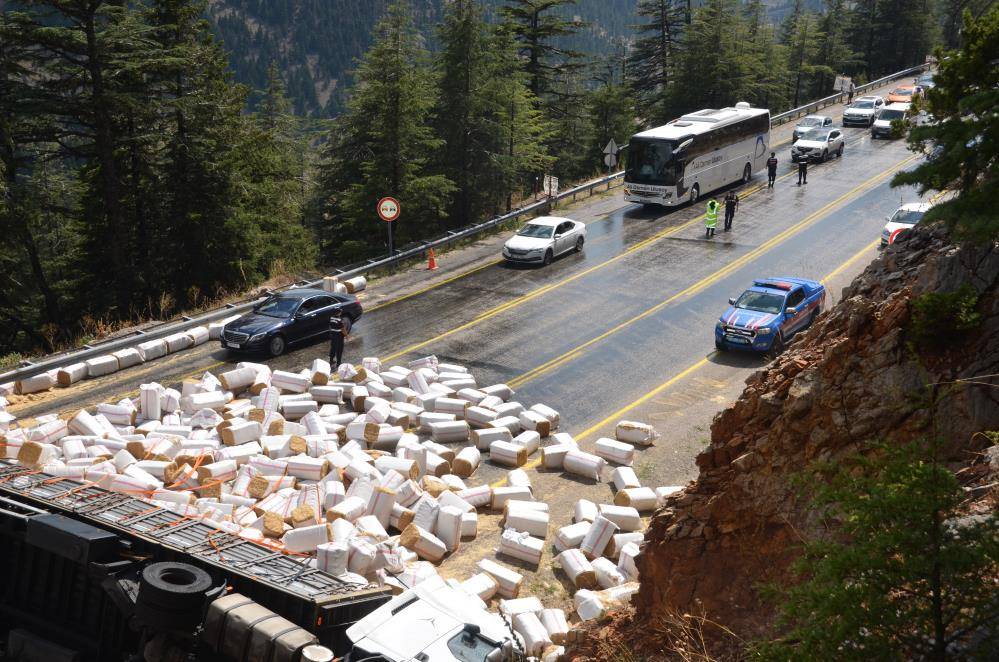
{"points": [[855, 376]]}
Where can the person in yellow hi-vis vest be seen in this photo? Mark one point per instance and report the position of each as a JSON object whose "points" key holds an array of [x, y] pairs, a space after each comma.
{"points": [[711, 219]]}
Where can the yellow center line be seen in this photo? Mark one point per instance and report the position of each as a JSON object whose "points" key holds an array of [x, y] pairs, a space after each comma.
{"points": [[707, 281]]}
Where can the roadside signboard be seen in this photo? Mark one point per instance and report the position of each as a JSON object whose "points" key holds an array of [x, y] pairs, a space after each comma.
{"points": [[388, 209]]}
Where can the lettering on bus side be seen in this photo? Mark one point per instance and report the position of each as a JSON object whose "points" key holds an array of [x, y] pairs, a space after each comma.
{"points": [[704, 163]]}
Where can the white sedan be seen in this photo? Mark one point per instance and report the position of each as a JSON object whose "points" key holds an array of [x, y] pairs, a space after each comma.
{"points": [[545, 238]]}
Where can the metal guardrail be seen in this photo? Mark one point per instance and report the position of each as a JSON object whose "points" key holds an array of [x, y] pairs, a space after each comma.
{"points": [[91, 350], [813, 106]]}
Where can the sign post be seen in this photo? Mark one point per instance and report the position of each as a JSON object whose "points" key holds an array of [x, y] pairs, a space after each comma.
{"points": [[610, 154], [388, 211]]}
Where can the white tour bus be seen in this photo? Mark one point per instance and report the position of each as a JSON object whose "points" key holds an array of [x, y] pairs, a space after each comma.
{"points": [[697, 153]]}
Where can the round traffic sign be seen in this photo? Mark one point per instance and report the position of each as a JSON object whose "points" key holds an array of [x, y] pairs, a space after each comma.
{"points": [[388, 209]]}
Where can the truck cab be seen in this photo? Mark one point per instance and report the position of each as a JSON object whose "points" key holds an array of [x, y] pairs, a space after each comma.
{"points": [[768, 314]]}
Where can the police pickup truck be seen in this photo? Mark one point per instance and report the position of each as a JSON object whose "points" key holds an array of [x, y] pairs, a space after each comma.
{"points": [[768, 314]]}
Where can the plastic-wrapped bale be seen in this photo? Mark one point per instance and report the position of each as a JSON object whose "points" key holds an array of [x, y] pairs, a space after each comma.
{"points": [[620, 540], [483, 438], [615, 451], [639, 498], [597, 537], [36, 384], [501, 391], [401, 517], [349, 509], [663, 493], [529, 439], [518, 478], [101, 365], [607, 573], [402, 466], [238, 380], [535, 636], [526, 520], [355, 284], [508, 581], [449, 431], [503, 494], [331, 557], [479, 417], [377, 409], [455, 406], [570, 536], [626, 561], [84, 424], [469, 525], [584, 464], [626, 517], [425, 512], [624, 478], [466, 461], [588, 605], [632, 432], [577, 568], [478, 496], [511, 423], [291, 382], [152, 349], [320, 372], [71, 374], [555, 623], [481, 584], [548, 413], [448, 528], [530, 420], [330, 283], [429, 418], [306, 539], [177, 342], [199, 335], [553, 457], [215, 328], [240, 432], [425, 544], [521, 546], [508, 454]]}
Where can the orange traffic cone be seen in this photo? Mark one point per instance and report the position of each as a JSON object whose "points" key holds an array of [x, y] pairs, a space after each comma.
{"points": [[432, 261]]}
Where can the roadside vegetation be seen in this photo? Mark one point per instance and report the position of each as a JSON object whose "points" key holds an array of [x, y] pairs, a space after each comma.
{"points": [[132, 174]]}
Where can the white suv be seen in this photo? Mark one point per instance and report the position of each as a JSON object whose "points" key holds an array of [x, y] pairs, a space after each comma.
{"points": [[818, 145], [881, 127], [862, 111]]}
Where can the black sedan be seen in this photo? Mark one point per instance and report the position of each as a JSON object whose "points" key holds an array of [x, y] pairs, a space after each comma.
{"points": [[286, 318]]}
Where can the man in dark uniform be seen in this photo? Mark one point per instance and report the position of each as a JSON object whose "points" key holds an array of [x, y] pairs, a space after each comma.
{"points": [[731, 204], [771, 169], [803, 171], [339, 330]]}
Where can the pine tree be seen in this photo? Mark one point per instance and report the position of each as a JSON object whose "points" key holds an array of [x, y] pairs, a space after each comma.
{"points": [[536, 26], [654, 59], [832, 54], [765, 61], [714, 71], [800, 35]]}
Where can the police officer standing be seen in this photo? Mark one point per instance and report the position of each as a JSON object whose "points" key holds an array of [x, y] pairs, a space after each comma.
{"points": [[771, 169], [803, 171], [711, 219], [731, 204], [339, 330]]}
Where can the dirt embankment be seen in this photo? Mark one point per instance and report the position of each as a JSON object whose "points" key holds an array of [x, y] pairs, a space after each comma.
{"points": [[855, 376]]}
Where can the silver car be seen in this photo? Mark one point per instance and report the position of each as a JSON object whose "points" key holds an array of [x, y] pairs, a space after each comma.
{"points": [[810, 122], [862, 111], [818, 145]]}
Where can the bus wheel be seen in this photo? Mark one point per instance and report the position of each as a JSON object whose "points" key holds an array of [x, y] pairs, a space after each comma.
{"points": [[747, 174], [695, 192]]}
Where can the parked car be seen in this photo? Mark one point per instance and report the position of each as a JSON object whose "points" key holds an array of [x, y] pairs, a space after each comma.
{"points": [[809, 122], [882, 126], [862, 111], [926, 81], [818, 145], [904, 218], [545, 238], [287, 318], [769, 313], [904, 94]]}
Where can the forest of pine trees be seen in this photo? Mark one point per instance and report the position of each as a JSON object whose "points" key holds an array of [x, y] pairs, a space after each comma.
{"points": [[137, 182]]}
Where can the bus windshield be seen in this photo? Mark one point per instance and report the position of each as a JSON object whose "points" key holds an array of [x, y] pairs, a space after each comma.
{"points": [[651, 162]]}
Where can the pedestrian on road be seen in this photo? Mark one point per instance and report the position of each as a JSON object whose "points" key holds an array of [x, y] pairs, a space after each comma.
{"points": [[803, 171], [849, 96], [771, 169], [731, 204], [339, 330], [711, 219]]}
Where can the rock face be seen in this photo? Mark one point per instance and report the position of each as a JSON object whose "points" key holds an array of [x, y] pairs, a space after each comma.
{"points": [[853, 377]]}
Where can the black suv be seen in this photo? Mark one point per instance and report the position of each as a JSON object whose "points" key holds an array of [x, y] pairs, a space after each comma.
{"points": [[285, 318]]}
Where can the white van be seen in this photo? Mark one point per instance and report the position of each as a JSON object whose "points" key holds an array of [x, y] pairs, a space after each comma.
{"points": [[890, 113]]}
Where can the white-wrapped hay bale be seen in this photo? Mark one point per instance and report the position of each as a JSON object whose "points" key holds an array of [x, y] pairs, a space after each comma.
{"points": [[502, 391], [215, 328], [553, 457], [84, 424], [355, 284], [327, 395], [428, 418], [238, 380], [614, 451], [449, 431], [484, 438], [479, 417], [600, 533], [607, 573], [448, 528], [349, 509], [588, 605], [199, 335], [481, 584], [330, 283], [35, 384], [241, 431], [624, 478], [620, 540], [530, 420], [307, 538], [521, 546], [508, 581], [556, 624], [101, 365], [320, 372], [584, 464], [535, 636], [290, 382], [625, 517], [508, 454], [331, 557], [152, 349], [119, 415], [469, 525], [663, 493], [361, 555], [503, 494], [377, 409], [571, 536], [425, 512], [466, 461], [626, 564], [550, 414], [533, 522], [403, 466], [401, 517], [511, 423], [633, 432], [177, 342], [71, 374], [478, 497], [428, 546], [529, 439], [191, 404], [577, 568], [455, 406], [639, 498]]}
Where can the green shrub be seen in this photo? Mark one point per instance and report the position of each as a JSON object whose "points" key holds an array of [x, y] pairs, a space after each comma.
{"points": [[941, 318]]}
